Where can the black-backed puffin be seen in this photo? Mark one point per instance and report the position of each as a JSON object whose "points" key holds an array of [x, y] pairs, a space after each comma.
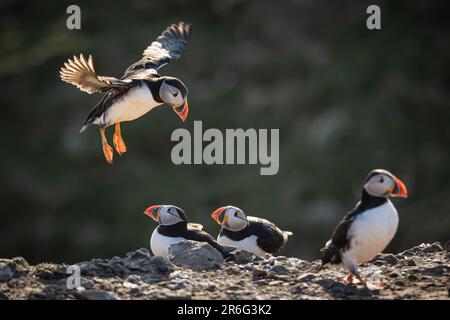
{"points": [[256, 235], [366, 230], [173, 227], [139, 90]]}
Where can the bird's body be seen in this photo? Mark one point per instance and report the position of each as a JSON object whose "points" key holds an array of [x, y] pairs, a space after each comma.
{"points": [[256, 235], [369, 228], [371, 232], [128, 106], [173, 227], [139, 90]]}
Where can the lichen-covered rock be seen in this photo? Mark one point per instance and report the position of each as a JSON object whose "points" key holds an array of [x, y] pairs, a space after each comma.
{"points": [[195, 255]]}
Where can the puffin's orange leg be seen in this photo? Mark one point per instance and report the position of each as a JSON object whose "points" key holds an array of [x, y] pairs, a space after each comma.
{"points": [[349, 278], [118, 141], [107, 150]]}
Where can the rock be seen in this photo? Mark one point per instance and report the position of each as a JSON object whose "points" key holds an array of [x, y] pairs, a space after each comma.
{"points": [[243, 257], [434, 247], [199, 256], [411, 263], [388, 258], [306, 277], [162, 264], [279, 269], [94, 295], [6, 272], [258, 273]]}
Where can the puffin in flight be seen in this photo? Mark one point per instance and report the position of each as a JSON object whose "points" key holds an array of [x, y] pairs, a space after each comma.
{"points": [[139, 90], [367, 229], [256, 235], [173, 227]]}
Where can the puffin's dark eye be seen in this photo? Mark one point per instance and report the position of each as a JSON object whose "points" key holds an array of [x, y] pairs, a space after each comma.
{"points": [[381, 180], [175, 94], [236, 214]]}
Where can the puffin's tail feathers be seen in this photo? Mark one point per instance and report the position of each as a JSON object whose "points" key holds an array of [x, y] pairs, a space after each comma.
{"points": [[286, 235], [83, 128], [330, 254]]}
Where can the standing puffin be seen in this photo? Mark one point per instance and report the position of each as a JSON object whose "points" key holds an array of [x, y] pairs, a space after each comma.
{"points": [[256, 235], [366, 230], [139, 90], [173, 227]]}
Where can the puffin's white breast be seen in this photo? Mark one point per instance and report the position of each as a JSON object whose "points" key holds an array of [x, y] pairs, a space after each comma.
{"points": [[134, 104], [160, 244], [371, 232], [248, 244]]}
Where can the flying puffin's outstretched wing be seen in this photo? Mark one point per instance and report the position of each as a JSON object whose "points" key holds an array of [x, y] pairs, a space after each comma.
{"points": [[167, 47], [81, 73]]}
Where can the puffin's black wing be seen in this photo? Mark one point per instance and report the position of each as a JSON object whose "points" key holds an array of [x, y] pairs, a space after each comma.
{"points": [[81, 73], [167, 47], [196, 234], [270, 237], [340, 239]]}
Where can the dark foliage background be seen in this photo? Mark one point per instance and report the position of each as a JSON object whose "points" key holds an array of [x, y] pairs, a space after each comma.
{"points": [[346, 100]]}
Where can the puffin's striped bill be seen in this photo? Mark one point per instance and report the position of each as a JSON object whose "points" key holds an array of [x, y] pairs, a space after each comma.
{"points": [[216, 215], [400, 189], [153, 212], [182, 110]]}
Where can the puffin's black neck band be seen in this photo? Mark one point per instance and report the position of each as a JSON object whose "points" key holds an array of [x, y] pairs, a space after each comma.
{"points": [[173, 230], [236, 235], [368, 201]]}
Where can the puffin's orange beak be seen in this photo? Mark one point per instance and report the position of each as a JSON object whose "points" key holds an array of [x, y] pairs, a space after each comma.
{"points": [[182, 110], [215, 214], [400, 189], [153, 212]]}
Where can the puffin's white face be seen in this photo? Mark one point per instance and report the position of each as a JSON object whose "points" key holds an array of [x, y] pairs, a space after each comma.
{"points": [[174, 92], [166, 214], [231, 218], [171, 94], [385, 184]]}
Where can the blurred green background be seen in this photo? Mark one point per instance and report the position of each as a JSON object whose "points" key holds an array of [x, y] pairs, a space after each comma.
{"points": [[346, 100]]}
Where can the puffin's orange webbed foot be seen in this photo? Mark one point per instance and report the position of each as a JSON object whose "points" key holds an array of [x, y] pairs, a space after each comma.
{"points": [[119, 144], [107, 150], [349, 278]]}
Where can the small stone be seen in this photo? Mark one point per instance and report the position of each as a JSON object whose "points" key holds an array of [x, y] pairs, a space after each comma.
{"points": [[411, 263], [389, 258], [434, 247], [394, 275], [243, 257], [279, 269], [6, 272], [3, 296], [306, 277], [258, 273]]}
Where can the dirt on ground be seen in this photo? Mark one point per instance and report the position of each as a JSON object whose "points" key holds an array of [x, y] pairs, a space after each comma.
{"points": [[421, 272]]}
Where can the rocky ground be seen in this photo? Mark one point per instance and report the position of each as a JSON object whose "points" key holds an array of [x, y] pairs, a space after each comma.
{"points": [[197, 271]]}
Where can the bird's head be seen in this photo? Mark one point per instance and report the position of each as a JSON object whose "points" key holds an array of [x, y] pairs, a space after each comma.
{"points": [[382, 183], [174, 93], [231, 218], [166, 214]]}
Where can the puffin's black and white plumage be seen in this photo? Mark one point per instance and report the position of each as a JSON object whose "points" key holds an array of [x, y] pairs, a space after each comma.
{"points": [[256, 235], [173, 227], [139, 90], [366, 230]]}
